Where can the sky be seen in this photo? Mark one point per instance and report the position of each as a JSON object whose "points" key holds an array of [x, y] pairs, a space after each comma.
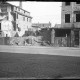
{"points": [[42, 12]]}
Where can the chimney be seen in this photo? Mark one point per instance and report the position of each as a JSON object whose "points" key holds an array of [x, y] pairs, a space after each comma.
{"points": [[20, 4]]}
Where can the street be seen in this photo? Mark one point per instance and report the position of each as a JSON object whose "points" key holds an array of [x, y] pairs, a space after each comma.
{"points": [[39, 62]]}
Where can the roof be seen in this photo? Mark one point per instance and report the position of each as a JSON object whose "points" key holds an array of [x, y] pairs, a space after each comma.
{"points": [[23, 14], [13, 5], [41, 25]]}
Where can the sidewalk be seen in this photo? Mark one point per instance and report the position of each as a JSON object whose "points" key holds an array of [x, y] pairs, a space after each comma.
{"points": [[63, 51]]}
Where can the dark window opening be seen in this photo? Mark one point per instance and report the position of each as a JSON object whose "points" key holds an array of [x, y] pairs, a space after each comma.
{"points": [[77, 2], [12, 8], [27, 19], [19, 29], [62, 33], [77, 17], [17, 15], [67, 3], [76, 37], [14, 26], [16, 8], [7, 17], [23, 18], [14, 17], [67, 18], [0, 26], [17, 25]]}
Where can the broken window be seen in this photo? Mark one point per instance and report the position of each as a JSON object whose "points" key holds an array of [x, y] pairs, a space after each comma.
{"points": [[27, 19], [12, 8], [0, 26], [7, 17], [14, 25], [77, 17], [67, 18], [3, 9], [67, 3], [17, 15], [23, 18], [17, 25], [14, 16]]}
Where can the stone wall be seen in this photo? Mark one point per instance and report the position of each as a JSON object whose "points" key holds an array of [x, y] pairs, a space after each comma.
{"points": [[60, 42]]}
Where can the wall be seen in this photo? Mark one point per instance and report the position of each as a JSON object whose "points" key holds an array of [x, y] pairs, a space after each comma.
{"points": [[4, 40], [60, 42]]}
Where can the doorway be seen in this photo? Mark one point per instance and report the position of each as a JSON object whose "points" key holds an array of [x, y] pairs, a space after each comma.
{"points": [[76, 38]]}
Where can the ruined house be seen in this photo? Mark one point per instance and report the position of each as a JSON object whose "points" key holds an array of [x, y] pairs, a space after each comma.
{"points": [[68, 33], [39, 26], [13, 19]]}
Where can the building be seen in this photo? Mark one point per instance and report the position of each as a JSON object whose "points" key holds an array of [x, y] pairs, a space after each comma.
{"points": [[13, 19], [39, 26], [69, 31]]}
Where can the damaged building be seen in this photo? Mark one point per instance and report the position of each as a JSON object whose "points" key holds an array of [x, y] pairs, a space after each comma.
{"points": [[68, 32], [13, 19]]}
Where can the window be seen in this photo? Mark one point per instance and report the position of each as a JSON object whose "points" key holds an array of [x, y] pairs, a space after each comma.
{"points": [[17, 15], [77, 17], [19, 9], [16, 8], [77, 2], [19, 29], [12, 8], [14, 16], [17, 25], [67, 18], [27, 19], [23, 18], [14, 26], [7, 17], [67, 3], [3, 9], [0, 26]]}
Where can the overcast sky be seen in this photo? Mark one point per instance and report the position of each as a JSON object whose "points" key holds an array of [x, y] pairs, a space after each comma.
{"points": [[42, 12]]}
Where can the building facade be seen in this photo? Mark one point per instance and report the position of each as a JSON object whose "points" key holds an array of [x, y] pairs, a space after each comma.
{"points": [[71, 19], [13, 19], [69, 31]]}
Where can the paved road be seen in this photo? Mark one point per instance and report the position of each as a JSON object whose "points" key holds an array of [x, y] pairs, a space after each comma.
{"points": [[64, 51]]}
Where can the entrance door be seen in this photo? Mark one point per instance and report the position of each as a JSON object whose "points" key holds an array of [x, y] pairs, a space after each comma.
{"points": [[76, 33]]}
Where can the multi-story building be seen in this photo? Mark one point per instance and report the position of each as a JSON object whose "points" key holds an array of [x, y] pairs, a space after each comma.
{"points": [[71, 20], [13, 19], [69, 30]]}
